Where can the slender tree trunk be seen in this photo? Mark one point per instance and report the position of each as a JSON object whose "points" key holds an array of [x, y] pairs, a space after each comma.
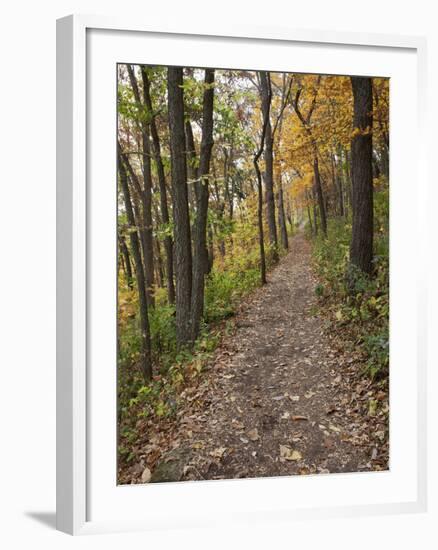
{"points": [[310, 220], [266, 108], [127, 260], [192, 170], [361, 250], [338, 185], [315, 214], [265, 88], [348, 177], [308, 199], [260, 224], [160, 270], [146, 197], [210, 249], [339, 180], [282, 216], [182, 244], [319, 194], [148, 252], [146, 358], [200, 252], [384, 148], [156, 145], [220, 211]]}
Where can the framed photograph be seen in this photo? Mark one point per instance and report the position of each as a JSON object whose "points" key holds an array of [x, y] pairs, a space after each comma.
{"points": [[241, 301]]}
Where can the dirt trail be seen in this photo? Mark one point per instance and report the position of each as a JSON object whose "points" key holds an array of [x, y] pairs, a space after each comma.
{"points": [[274, 401]]}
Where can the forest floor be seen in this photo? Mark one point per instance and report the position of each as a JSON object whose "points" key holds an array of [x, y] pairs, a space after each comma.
{"points": [[282, 395]]}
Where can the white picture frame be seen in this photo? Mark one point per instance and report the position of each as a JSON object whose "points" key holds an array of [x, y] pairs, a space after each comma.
{"points": [[85, 497]]}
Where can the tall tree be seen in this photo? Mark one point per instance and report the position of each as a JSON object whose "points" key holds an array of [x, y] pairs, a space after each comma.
{"points": [[361, 250], [146, 195], [306, 122], [181, 219], [156, 145], [266, 114], [146, 359], [200, 251], [266, 94], [278, 127]]}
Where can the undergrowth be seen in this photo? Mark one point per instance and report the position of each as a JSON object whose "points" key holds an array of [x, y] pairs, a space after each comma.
{"points": [[357, 304]]}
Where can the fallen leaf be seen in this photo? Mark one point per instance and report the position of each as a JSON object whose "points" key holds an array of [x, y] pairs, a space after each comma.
{"points": [[289, 454], [299, 417], [237, 424], [219, 452], [334, 428], [294, 397], [285, 415], [253, 434]]}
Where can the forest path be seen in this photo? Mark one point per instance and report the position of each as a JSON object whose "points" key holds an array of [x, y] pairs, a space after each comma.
{"points": [[274, 401]]}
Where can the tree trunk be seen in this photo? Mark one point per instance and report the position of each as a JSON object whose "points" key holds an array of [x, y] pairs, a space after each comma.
{"points": [[160, 270], [127, 260], [192, 169], [266, 108], [146, 197], [361, 250], [308, 199], [265, 88], [210, 249], [319, 194], [182, 244], [146, 359], [200, 252], [260, 224], [282, 216], [339, 179], [315, 214], [384, 149], [168, 245], [148, 252]]}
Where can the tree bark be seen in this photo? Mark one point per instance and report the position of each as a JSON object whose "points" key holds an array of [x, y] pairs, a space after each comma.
{"points": [[305, 121], [146, 197], [156, 145], [182, 242], [192, 168], [265, 89], [127, 260], [200, 251], [146, 358], [282, 216], [266, 113], [148, 252], [319, 194], [361, 250]]}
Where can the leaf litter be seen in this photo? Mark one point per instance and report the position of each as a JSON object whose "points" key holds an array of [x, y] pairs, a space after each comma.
{"points": [[231, 420]]}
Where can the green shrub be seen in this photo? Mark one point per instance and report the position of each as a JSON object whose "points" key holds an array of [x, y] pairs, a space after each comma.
{"points": [[353, 298]]}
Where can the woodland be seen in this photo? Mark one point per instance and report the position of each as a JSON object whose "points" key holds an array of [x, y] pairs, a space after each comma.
{"points": [[253, 273]]}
